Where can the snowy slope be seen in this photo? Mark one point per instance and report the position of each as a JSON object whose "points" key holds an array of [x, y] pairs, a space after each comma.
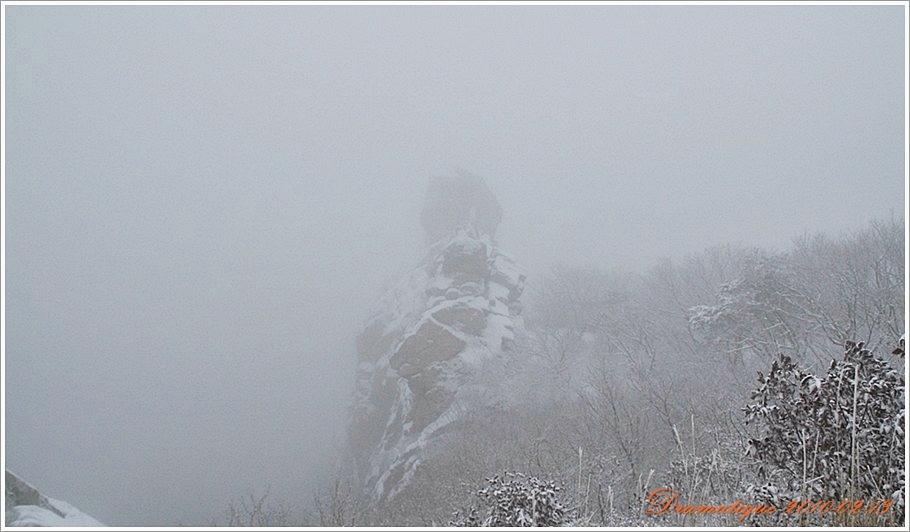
{"points": [[26, 506]]}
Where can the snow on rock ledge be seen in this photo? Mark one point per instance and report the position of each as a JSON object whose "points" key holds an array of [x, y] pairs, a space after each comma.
{"points": [[430, 336], [26, 506]]}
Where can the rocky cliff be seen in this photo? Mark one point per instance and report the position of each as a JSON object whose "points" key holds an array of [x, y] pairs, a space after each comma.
{"points": [[26, 506], [427, 343]]}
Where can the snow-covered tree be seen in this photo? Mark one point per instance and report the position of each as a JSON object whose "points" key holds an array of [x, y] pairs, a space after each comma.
{"points": [[837, 436], [512, 499]]}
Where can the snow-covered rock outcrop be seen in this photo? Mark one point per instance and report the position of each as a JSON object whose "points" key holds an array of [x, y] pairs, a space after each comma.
{"points": [[432, 335], [26, 506]]}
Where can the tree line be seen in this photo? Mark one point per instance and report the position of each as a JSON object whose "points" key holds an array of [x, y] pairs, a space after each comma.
{"points": [[733, 374]]}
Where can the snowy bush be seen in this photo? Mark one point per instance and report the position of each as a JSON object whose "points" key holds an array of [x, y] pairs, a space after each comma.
{"points": [[515, 500], [838, 436]]}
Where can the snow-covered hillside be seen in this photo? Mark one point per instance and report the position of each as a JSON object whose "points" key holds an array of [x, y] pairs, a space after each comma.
{"points": [[26, 506]]}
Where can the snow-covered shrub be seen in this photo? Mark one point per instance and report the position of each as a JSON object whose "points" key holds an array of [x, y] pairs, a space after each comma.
{"points": [[838, 436], [516, 500]]}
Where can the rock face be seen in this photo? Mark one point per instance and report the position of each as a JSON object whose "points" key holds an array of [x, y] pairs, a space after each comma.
{"points": [[26, 506], [431, 335], [457, 202]]}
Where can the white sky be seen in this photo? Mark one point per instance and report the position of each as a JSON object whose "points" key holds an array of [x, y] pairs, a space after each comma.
{"points": [[202, 203]]}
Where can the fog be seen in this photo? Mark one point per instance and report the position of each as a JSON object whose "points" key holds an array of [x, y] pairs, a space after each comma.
{"points": [[202, 203]]}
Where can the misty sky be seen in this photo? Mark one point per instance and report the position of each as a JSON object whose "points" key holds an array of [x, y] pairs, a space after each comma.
{"points": [[203, 203]]}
